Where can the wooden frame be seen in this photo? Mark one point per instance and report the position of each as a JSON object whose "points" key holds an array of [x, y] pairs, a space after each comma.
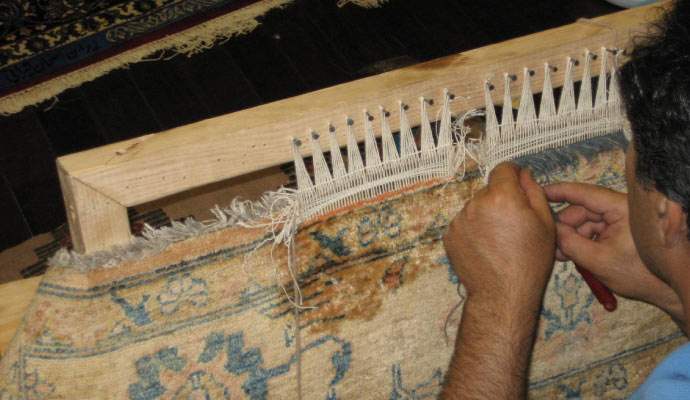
{"points": [[99, 184]]}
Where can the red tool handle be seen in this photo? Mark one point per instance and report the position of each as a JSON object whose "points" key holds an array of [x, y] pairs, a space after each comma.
{"points": [[601, 292]]}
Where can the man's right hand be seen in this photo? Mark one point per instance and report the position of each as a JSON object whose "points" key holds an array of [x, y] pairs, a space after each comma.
{"points": [[594, 233]]}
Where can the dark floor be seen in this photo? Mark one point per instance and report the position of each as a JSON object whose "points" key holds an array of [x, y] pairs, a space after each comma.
{"points": [[309, 45]]}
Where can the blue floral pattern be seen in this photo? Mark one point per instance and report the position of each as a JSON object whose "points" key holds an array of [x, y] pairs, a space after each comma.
{"points": [[180, 290], [575, 301], [428, 389], [35, 388], [333, 243], [201, 385], [612, 377], [240, 360], [381, 221], [148, 370]]}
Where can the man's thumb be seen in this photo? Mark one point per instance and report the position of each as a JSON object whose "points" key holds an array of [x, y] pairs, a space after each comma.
{"points": [[580, 249]]}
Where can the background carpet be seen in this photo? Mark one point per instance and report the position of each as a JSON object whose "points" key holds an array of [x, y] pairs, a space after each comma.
{"points": [[45, 46]]}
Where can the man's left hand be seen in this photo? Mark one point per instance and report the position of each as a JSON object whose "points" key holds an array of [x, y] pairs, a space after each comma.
{"points": [[502, 244]]}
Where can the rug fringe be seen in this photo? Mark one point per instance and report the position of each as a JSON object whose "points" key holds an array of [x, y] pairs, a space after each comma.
{"points": [[270, 213]]}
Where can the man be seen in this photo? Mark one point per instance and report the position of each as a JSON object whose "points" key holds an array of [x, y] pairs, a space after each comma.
{"points": [[502, 244]]}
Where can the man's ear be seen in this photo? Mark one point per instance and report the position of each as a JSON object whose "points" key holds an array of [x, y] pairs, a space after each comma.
{"points": [[672, 221]]}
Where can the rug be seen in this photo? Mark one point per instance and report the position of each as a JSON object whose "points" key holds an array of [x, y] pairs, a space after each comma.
{"points": [[48, 46], [210, 316]]}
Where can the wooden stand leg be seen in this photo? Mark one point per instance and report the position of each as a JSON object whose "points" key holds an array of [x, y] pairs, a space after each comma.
{"points": [[96, 222]]}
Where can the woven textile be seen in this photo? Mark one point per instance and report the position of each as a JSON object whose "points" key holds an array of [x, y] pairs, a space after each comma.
{"points": [[207, 317], [45, 46]]}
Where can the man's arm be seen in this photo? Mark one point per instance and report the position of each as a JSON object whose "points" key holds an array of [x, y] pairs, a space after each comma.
{"points": [[492, 351], [501, 246]]}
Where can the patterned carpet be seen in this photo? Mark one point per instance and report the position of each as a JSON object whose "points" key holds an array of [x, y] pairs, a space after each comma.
{"points": [[207, 316], [46, 44]]}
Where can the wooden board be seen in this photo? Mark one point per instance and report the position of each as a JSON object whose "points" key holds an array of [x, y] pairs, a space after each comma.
{"points": [[158, 165]]}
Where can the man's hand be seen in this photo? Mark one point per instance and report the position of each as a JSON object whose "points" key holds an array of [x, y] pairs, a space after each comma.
{"points": [[602, 214], [501, 246]]}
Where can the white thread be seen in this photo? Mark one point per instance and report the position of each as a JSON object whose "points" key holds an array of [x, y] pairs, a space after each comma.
{"points": [[321, 172], [336, 157], [572, 121]]}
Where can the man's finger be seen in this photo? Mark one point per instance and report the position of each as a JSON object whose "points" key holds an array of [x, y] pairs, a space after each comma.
{"points": [[589, 229], [578, 215], [594, 198], [504, 173], [535, 194], [505, 183], [574, 246]]}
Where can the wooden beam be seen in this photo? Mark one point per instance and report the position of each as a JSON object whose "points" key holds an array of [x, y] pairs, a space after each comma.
{"points": [[96, 222], [14, 300]]}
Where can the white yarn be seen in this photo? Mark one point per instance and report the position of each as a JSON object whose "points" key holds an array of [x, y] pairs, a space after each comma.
{"points": [[572, 122]]}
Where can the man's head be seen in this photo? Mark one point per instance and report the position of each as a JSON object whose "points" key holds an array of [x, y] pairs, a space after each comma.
{"points": [[655, 87]]}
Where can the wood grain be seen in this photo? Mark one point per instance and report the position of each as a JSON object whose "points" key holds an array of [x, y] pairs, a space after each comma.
{"points": [[96, 221]]}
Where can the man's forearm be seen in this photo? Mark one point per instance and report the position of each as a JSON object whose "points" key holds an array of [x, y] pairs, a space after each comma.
{"points": [[492, 351]]}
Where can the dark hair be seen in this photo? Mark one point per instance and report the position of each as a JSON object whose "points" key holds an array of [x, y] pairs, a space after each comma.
{"points": [[655, 89]]}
